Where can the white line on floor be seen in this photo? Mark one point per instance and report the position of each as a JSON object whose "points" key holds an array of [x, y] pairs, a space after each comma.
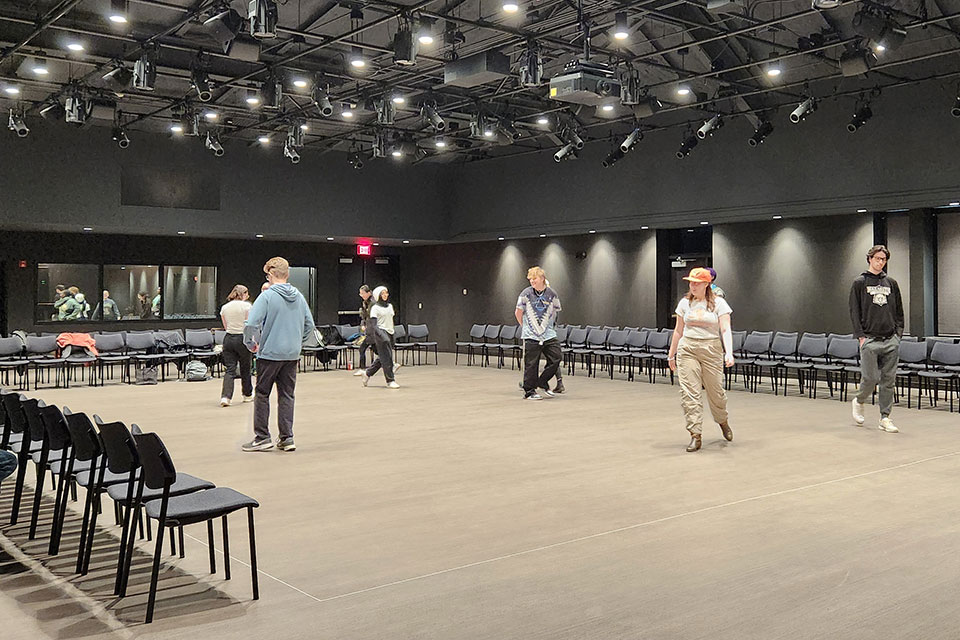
{"points": [[591, 536]]}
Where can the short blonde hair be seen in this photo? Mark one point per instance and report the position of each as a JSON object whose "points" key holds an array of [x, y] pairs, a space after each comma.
{"points": [[535, 272], [237, 292], [278, 267]]}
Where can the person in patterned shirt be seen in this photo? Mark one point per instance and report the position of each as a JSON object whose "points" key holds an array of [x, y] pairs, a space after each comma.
{"points": [[536, 312]]}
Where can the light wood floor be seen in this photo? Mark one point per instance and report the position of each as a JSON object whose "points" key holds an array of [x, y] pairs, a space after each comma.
{"points": [[450, 509]]}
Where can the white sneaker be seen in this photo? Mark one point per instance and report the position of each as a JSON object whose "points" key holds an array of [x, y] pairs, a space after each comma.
{"points": [[549, 394], [393, 385], [886, 424], [533, 396], [857, 412], [364, 378], [224, 402], [358, 373], [248, 398]]}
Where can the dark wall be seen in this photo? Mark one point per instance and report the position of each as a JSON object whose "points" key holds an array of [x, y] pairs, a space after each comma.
{"points": [[792, 275], [614, 283], [904, 157], [62, 179], [238, 262], [948, 266]]}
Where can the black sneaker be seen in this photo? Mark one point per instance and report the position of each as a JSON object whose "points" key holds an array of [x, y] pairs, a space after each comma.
{"points": [[533, 396], [559, 388], [286, 444], [548, 393]]}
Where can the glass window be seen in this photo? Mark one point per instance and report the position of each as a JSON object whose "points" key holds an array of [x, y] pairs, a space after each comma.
{"points": [[304, 279], [66, 292], [189, 292], [135, 290]]}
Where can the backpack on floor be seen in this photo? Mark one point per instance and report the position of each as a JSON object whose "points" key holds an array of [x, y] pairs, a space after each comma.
{"points": [[147, 374], [196, 371]]}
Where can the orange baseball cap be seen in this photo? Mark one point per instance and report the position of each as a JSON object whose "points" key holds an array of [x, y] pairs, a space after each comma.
{"points": [[699, 275]]}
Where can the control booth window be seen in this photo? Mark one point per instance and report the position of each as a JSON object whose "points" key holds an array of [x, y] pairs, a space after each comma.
{"points": [[66, 292], [134, 290], [189, 293]]}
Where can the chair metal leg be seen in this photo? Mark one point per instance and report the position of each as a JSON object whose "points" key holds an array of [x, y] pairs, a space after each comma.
{"points": [[226, 547], [155, 574], [38, 493], [213, 552], [253, 555], [182, 553]]}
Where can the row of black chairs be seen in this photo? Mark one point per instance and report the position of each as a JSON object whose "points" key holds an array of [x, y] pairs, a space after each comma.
{"points": [[132, 468], [412, 345], [21, 354]]}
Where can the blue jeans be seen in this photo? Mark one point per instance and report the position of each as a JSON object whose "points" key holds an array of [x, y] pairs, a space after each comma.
{"points": [[8, 464]]}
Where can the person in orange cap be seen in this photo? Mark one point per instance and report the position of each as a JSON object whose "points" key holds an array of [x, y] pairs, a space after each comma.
{"points": [[702, 345]]}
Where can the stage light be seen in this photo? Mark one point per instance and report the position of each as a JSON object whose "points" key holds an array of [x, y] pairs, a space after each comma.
{"points": [[628, 143], [620, 30], [531, 65], [213, 144], [118, 11], [386, 111], [762, 131], [613, 157], [425, 30], [510, 6], [405, 46], [118, 79], [687, 146], [508, 129], [955, 112], [17, 124], [120, 137], [289, 151], [39, 67], [803, 109], [201, 84], [428, 111], [53, 111], [773, 69], [253, 97], [145, 69], [224, 26], [568, 151], [709, 127], [355, 160], [322, 100], [76, 108], [860, 118], [263, 18]]}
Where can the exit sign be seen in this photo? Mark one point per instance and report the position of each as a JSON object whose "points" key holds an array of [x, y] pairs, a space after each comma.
{"points": [[364, 250]]}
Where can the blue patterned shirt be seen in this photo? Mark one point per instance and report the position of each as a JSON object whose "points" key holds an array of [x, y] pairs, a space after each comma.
{"points": [[539, 313]]}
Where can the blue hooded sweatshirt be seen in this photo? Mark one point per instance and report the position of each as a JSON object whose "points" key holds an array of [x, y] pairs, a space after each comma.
{"points": [[278, 321]]}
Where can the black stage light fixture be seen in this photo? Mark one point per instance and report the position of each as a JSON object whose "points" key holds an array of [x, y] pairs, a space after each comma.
{"points": [[531, 65], [213, 144], [955, 112], [119, 136], [630, 89], [428, 111], [16, 124], [856, 62], [321, 100], [118, 79], [763, 129], [76, 108], [263, 18], [53, 111], [145, 69], [508, 129], [200, 82], [355, 160], [386, 110], [405, 45], [613, 157], [223, 26], [289, 151], [687, 146], [860, 118]]}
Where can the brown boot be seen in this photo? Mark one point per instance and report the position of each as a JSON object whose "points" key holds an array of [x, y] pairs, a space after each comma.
{"points": [[695, 442], [727, 431]]}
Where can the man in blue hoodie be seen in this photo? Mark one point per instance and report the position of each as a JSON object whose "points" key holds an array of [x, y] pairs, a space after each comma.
{"points": [[275, 329]]}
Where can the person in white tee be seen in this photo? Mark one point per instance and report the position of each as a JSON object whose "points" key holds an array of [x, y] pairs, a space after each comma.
{"points": [[235, 354], [702, 345], [381, 312]]}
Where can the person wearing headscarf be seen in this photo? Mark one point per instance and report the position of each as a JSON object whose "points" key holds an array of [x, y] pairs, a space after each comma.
{"points": [[382, 312]]}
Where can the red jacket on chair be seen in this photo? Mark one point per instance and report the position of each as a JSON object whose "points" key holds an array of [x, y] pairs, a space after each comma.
{"points": [[84, 340]]}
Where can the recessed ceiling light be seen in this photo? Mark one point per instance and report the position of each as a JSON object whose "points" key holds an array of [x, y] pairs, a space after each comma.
{"points": [[11, 90], [211, 115], [376, 244], [176, 127], [704, 222], [264, 139], [607, 107], [955, 204], [425, 38], [879, 48], [499, 237], [40, 67], [440, 144], [592, 231], [300, 83], [777, 217], [406, 242], [488, 133], [88, 228], [683, 90], [689, 230], [75, 46], [543, 235], [330, 238], [396, 153], [543, 120], [861, 210], [181, 233], [259, 235], [347, 112], [253, 98], [773, 71], [644, 228], [304, 127], [398, 99], [510, 6]]}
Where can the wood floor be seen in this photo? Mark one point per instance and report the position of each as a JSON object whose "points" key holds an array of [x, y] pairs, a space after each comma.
{"points": [[450, 509]]}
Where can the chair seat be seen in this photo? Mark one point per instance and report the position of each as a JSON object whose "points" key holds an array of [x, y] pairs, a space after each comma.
{"points": [[184, 484], [853, 369], [80, 359], [147, 357], [201, 505], [768, 363], [174, 355], [828, 367], [78, 465], [46, 362], [432, 343], [109, 478], [798, 365], [202, 354], [936, 374], [109, 358], [11, 364], [53, 454]]}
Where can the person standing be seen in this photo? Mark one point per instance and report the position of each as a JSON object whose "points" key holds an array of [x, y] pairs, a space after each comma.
{"points": [[144, 309], [235, 354], [275, 329], [107, 310], [382, 313], [367, 328], [876, 311], [536, 312], [155, 304], [717, 291], [702, 345]]}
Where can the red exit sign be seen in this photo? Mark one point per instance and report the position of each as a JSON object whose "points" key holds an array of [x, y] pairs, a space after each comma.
{"points": [[364, 250]]}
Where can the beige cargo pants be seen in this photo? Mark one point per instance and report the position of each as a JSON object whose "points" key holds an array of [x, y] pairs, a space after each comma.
{"points": [[700, 367]]}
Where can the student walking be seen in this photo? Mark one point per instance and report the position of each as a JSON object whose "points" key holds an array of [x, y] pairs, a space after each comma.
{"points": [[536, 312], [382, 313], [367, 328], [235, 354], [876, 311], [275, 329], [702, 345]]}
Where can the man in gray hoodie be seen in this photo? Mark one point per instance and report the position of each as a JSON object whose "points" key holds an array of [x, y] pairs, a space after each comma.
{"points": [[275, 329]]}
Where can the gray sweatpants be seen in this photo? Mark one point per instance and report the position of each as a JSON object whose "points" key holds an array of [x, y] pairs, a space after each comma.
{"points": [[878, 365], [282, 373]]}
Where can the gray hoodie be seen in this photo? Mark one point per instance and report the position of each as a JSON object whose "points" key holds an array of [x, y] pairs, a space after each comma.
{"points": [[278, 321]]}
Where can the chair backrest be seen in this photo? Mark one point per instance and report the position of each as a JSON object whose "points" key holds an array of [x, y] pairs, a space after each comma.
{"points": [[420, 331], [141, 341], [118, 444], [218, 336], [738, 338], [107, 343], [41, 346], [608, 328], [945, 353], [577, 336], [199, 339], [86, 442], [31, 412], [491, 332], [631, 328], [346, 331], [834, 336], [658, 341], [399, 332], [156, 465], [906, 338], [14, 419], [932, 341], [591, 326], [812, 346], [509, 332], [476, 331], [649, 330], [757, 342], [58, 435], [10, 347], [617, 338], [784, 344], [844, 348], [596, 337], [911, 352], [813, 335], [637, 339], [562, 333]]}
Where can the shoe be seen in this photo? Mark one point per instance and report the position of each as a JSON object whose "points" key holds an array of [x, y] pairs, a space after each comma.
{"points": [[695, 443], [364, 378], [258, 445], [727, 431], [224, 402], [358, 373], [396, 365], [533, 396], [248, 398], [393, 385], [559, 388], [286, 444], [886, 424], [857, 412], [549, 394]]}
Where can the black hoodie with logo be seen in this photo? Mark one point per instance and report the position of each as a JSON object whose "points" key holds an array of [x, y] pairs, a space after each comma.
{"points": [[876, 309]]}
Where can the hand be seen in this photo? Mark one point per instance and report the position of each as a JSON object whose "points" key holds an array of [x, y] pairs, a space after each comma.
{"points": [[728, 360], [672, 363], [862, 340]]}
